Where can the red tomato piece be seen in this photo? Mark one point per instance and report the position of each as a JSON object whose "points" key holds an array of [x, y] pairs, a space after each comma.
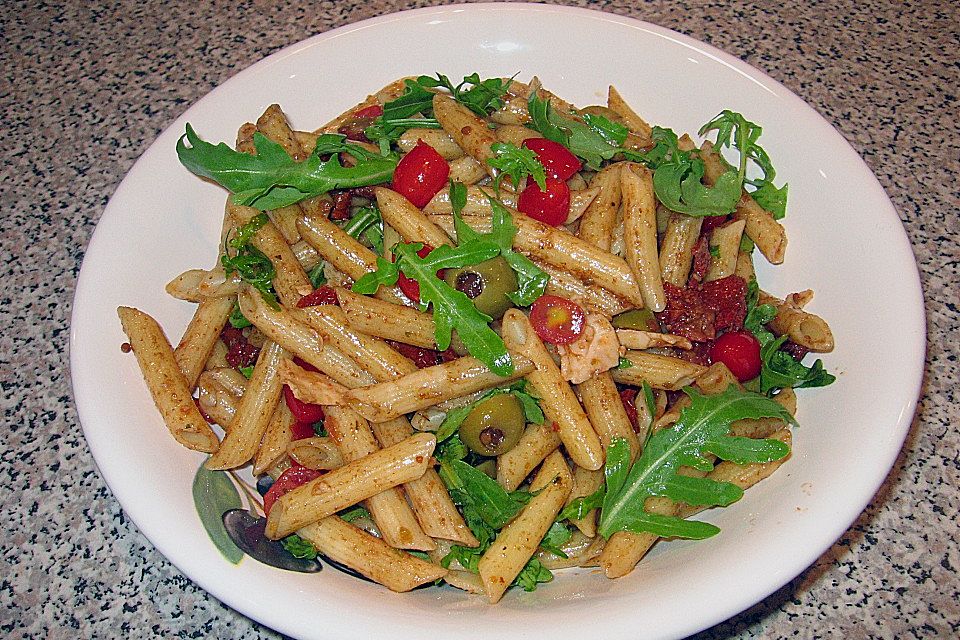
{"points": [[320, 295], [420, 174], [712, 222], [555, 158], [302, 411], [301, 430], [287, 482], [303, 364], [740, 352], [557, 320], [629, 399], [409, 286], [355, 125], [550, 206]]}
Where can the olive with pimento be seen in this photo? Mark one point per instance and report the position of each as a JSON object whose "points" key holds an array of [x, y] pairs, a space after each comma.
{"points": [[486, 284], [494, 425]]}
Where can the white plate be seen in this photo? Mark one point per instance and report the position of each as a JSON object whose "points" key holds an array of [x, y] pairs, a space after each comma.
{"points": [[846, 242]]}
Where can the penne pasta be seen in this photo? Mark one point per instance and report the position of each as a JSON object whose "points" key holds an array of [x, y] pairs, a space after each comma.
{"points": [[469, 131], [640, 234], [804, 328], [725, 242], [201, 335], [604, 409], [536, 443], [660, 372], [600, 217], [676, 249], [409, 221]]}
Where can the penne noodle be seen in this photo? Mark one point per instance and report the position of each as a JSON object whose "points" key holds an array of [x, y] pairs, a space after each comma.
{"points": [[165, 381], [315, 453], [477, 203], [515, 134], [352, 483], [640, 233], [804, 328], [276, 441], [726, 239], [634, 122], [389, 509], [254, 412], [273, 124], [635, 339], [744, 267], [386, 320], [591, 297], [466, 170], [389, 92], [676, 249], [439, 139], [306, 255], [600, 217], [469, 131], [408, 220], [557, 399], [195, 285], [343, 252], [201, 335], [344, 543], [518, 541], [601, 401], [536, 443], [660, 372], [218, 393], [585, 482]]}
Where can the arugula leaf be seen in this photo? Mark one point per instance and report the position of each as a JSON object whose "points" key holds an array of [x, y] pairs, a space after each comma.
{"points": [[477, 493], [246, 371], [367, 223], [532, 574], [272, 179], [531, 409], [317, 275], [624, 363], [237, 319], [531, 279], [586, 141], [482, 97], [386, 275], [518, 163], [772, 199], [778, 370], [451, 449], [250, 263], [354, 513], [580, 507], [651, 404], [612, 132], [702, 428], [299, 548], [319, 429]]}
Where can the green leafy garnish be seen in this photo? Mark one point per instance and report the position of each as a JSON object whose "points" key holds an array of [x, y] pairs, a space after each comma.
{"points": [[518, 163], [624, 363], [531, 409], [452, 309], [319, 429], [299, 548], [237, 319], [772, 199], [398, 115], [702, 428], [531, 575], [580, 507], [588, 140], [482, 96], [556, 536], [272, 179], [354, 513], [366, 223], [317, 275], [612, 132], [246, 371], [250, 263], [778, 369]]}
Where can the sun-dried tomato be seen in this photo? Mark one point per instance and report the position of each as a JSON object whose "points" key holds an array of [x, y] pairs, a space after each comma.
{"points": [[701, 262], [796, 351], [240, 353], [728, 298], [341, 205], [628, 397], [421, 357], [686, 315]]}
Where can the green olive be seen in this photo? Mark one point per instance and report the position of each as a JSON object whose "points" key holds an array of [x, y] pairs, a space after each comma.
{"points": [[494, 425], [639, 319], [487, 284]]}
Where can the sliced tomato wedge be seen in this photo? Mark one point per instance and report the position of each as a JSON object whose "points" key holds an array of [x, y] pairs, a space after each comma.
{"points": [[555, 158], [420, 174], [557, 320], [302, 411], [287, 482], [549, 207], [740, 352], [320, 295]]}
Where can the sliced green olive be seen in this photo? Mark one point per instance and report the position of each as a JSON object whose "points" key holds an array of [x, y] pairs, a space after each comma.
{"points": [[494, 425], [487, 284], [639, 319]]}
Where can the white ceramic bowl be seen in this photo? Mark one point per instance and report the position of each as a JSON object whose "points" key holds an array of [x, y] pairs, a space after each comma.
{"points": [[846, 242]]}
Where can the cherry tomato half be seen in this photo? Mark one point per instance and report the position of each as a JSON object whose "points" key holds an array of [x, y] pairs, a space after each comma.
{"points": [[420, 174], [287, 482], [409, 286], [557, 320], [320, 295], [555, 158], [302, 411], [301, 430], [550, 206], [740, 352]]}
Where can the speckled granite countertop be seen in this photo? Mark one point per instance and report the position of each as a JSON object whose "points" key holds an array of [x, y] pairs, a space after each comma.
{"points": [[85, 90]]}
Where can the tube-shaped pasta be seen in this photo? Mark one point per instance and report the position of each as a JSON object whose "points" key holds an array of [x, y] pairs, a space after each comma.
{"points": [[408, 220], [440, 140], [276, 440], [350, 484], [603, 406], [477, 203], [344, 543], [165, 381], [195, 285], [536, 443], [253, 415], [557, 399], [389, 509], [201, 334], [804, 328], [515, 134], [518, 541], [273, 124], [386, 320], [306, 255], [600, 218], [660, 372], [640, 233], [589, 296], [466, 170], [468, 130], [585, 482], [726, 240], [218, 393], [343, 251], [676, 249], [634, 122]]}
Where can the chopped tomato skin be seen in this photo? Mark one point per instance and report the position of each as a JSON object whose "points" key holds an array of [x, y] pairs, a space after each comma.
{"points": [[301, 430], [302, 411], [420, 174], [287, 482], [557, 320], [321, 295]]}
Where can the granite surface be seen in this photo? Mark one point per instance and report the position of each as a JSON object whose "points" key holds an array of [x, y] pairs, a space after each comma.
{"points": [[85, 88]]}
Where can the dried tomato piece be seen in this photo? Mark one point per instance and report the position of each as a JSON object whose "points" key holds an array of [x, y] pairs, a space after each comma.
{"points": [[701, 261], [686, 315], [321, 295], [240, 353], [422, 357], [796, 351], [629, 399], [728, 298], [341, 205]]}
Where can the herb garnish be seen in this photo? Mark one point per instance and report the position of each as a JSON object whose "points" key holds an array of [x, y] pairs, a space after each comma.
{"points": [[367, 223], [272, 179], [252, 265], [518, 163], [531, 409]]}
